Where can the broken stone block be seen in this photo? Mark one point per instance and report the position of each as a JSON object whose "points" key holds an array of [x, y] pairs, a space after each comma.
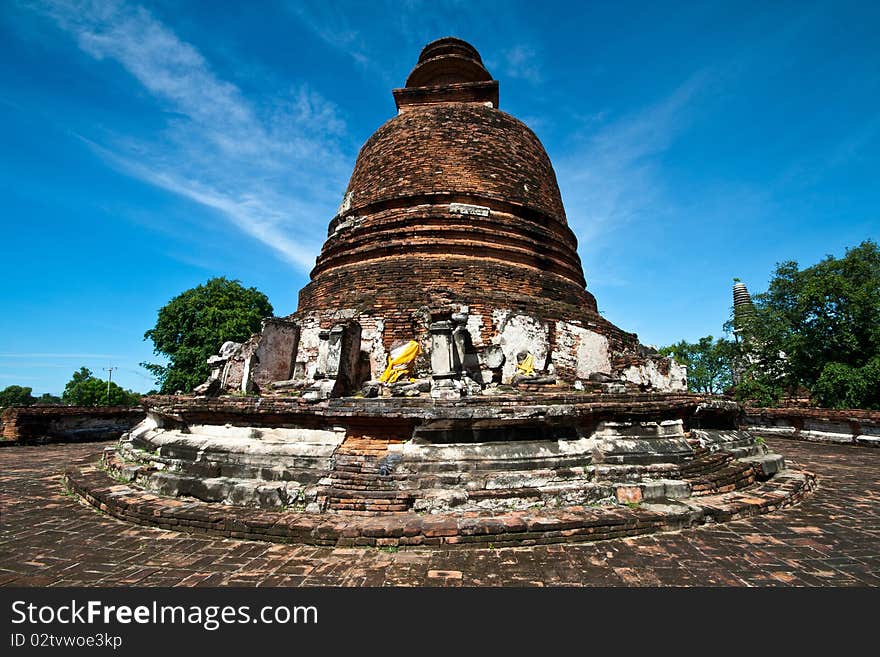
{"points": [[442, 361], [492, 357], [370, 389], [228, 348], [410, 388], [276, 351], [628, 494], [338, 362], [321, 389], [536, 380], [323, 346], [471, 387], [210, 388], [290, 384], [766, 465]]}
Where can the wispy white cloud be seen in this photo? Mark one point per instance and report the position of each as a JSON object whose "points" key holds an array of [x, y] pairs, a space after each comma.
{"points": [[521, 62], [274, 167], [53, 355], [338, 27], [612, 175], [407, 26]]}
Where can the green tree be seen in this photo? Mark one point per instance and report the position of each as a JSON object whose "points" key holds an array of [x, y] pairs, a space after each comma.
{"points": [[48, 399], [818, 328], [844, 386], [84, 389], [708, 362], [193, 325], [16, 396]]}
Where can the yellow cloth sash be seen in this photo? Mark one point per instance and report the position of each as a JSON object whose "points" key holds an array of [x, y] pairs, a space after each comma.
{"points": [[527, 367], [400, 364]]}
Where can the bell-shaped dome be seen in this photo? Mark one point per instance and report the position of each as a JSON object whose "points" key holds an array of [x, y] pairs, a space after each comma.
{"points": [[458, 148], [452, 202]]}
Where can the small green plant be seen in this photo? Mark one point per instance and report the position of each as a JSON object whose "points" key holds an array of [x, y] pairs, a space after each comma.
{"points": [[760, 440], [633, 505], [66, 490], [292, 507]]}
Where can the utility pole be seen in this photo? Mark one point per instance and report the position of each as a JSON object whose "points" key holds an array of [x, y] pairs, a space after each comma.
{"points": [[109, 371]]}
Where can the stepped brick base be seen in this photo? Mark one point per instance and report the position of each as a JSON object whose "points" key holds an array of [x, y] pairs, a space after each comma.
{"points": [[530, 527], [360, 481]]}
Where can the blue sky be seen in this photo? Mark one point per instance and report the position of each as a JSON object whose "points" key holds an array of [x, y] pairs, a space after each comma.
{"points": [[149, 147]]}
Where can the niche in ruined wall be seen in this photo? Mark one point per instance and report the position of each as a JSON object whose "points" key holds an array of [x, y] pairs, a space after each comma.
{"points": [[273, 358], [373, 354], [518, 332]]}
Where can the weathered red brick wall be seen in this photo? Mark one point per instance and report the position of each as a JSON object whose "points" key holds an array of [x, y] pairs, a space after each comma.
{"points": [[856, 426], [49, 423], [456, 147], [395, 290]]}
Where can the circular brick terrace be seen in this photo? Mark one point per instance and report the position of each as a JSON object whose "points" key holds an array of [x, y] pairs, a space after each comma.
{"points": [[831, 538]]}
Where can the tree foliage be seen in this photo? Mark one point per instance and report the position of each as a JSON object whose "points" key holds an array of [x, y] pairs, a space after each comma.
{"points": [[708, 362], [845, 386], [16, 396], [818, 328], [84, 389], [192, 326]]}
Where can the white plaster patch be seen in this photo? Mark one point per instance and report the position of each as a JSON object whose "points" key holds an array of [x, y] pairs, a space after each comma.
{"points": [[649, 375], [466, 208], [581, 350], [474, 327], [308, 344]]}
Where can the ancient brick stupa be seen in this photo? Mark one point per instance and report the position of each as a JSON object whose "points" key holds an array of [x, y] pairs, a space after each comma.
{"points": [[446, 357], [451, 233]]}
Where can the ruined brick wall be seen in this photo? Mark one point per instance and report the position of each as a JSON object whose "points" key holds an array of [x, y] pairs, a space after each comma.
{"points": [[572, 350], [36, 424], [274, 355], [853, 426]]}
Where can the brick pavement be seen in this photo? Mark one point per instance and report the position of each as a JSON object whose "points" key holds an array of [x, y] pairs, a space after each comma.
{"points": [[832, 538]]}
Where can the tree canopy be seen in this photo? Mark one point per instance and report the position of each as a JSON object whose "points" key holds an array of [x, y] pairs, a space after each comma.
{"points": [[708, 362], [818, 328], [16, 396], [84, 389], [192, 326]]}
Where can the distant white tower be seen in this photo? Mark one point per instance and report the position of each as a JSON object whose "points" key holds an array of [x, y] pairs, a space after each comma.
{"points": [[742, 307]]}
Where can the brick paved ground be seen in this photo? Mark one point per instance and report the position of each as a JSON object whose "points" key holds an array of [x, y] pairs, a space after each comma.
{"points": [[832, 538]]}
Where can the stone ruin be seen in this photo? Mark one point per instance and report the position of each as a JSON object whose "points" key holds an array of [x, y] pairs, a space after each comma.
{"points": [[452, 233], [451, 244]]}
